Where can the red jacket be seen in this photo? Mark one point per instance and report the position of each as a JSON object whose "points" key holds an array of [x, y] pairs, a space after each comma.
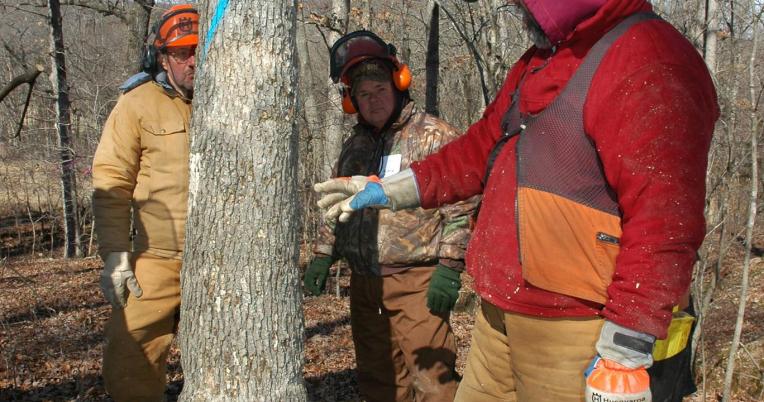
{"points": [[650, 112]]}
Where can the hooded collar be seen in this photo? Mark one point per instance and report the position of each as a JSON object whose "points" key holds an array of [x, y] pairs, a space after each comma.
{"points": [[407, 111], [550, 70], [564, 21], [164, 81], [559, 18]]}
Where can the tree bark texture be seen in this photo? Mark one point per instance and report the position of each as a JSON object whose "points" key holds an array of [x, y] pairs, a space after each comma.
{"points": [[710, 38], [241, 327], [138, 15], [63, 124], [335, 119]]}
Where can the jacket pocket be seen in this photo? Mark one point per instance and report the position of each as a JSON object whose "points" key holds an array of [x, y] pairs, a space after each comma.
{"points": [[163, 127], [566, 247], [607, 247]]}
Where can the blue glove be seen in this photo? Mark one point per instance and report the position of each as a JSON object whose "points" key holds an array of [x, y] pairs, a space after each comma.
{"points": [[371, 196]]}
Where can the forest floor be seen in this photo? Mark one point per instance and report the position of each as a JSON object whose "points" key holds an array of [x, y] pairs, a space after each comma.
{"points": [[52, 316]]}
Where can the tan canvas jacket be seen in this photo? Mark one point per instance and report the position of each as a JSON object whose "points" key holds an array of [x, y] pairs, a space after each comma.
{"points": [[140, 173], [373, 241]]}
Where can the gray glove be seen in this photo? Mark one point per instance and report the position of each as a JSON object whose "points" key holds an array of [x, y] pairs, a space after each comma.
{"points": [[625, 346], [117, 277]]}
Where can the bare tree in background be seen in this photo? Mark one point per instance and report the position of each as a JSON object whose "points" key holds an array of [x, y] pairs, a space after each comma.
{"points": [[755, 123], [432, 60], [241, 327], [63, 124], [137, 17], [335, 116]]}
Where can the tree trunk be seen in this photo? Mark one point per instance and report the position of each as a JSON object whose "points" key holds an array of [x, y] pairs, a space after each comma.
{"points": [[241, 327], [751, 212], [138, 17], [335, 118], [63, 123], [710, 38], [366, 11], [311, 129], [432, 60]]}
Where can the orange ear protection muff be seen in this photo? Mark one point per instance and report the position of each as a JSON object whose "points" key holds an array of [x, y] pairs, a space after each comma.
{"points": [[402, 77], [357, 47], [347, 101]]}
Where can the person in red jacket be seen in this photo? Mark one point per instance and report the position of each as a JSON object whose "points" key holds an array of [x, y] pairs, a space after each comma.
{"points": [[591, 161]]}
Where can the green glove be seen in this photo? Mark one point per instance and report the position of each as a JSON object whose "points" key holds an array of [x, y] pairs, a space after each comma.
{"points": [[316, 274], [444, 289]]}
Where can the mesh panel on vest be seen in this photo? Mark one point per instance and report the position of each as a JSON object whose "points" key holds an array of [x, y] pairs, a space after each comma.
{"points": [[554, 153]]}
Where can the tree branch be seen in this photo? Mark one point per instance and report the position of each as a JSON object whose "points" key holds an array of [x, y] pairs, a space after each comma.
{"points": [[473, 49], [28, 77], [104, 7]]}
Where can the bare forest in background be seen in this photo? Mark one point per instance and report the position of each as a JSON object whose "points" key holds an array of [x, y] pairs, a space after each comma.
{"points": [[459, 54]]}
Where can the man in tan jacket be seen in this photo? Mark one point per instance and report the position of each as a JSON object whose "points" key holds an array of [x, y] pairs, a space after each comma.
{"points": [[140, 182]]}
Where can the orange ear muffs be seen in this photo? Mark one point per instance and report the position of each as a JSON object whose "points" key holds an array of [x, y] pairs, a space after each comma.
{"points": [[402, 77], [347, 103]]}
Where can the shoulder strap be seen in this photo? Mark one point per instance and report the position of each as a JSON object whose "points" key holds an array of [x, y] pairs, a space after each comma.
{"points": [[135, 81], [513, 123]]}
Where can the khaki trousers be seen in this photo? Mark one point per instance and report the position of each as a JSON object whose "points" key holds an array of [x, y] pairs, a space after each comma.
{"points": [[515, 357], [403, 351], [138, 337]]}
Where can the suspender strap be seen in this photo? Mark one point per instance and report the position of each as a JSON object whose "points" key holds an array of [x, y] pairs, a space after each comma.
{"points": [[513, 122]]}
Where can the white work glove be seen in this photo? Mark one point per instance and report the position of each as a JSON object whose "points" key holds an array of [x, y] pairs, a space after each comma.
{"points": [[343, 195], [117, 277]]}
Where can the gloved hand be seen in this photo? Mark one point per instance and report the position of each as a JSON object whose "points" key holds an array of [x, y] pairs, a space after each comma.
{"points": [[117, 277], [316, 274], [619, 371], [444, 289], [344, 195]]}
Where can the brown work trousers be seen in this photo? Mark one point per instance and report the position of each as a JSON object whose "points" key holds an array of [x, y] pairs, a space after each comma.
{"points": [[515, 357], [403, 351], [138, 337]]}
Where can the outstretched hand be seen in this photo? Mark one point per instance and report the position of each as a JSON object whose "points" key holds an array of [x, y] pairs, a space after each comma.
{"points": [[344, 195]]}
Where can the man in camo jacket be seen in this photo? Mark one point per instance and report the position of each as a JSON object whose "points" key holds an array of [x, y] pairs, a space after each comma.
{"points": [[406, 265]]}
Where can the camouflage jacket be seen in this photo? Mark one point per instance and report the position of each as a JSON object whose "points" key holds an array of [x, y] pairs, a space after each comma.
{"points": [[379, 241]]}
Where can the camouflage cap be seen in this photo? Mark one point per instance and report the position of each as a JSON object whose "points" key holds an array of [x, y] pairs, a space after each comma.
{"points": [[372, 70]]}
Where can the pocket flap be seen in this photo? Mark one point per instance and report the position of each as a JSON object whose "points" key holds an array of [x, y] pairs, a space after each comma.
{"points": [[163, 127]]}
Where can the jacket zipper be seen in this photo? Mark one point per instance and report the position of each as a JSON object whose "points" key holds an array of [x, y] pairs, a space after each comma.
{"points": [[606, 238], [517, 191]]}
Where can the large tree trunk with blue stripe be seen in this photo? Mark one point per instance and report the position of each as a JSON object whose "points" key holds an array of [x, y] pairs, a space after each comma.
{"points": [[241, 327]]}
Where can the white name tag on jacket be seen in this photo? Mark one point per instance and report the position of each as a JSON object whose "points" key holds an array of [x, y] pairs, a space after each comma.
{"points": [[391, 164]]}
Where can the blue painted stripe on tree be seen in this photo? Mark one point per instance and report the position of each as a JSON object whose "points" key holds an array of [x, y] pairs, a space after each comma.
{"points": [[220, 10]]}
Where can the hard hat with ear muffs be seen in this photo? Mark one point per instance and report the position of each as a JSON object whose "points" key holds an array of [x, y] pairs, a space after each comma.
{"points": [[357, 47], [177, 27]]}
